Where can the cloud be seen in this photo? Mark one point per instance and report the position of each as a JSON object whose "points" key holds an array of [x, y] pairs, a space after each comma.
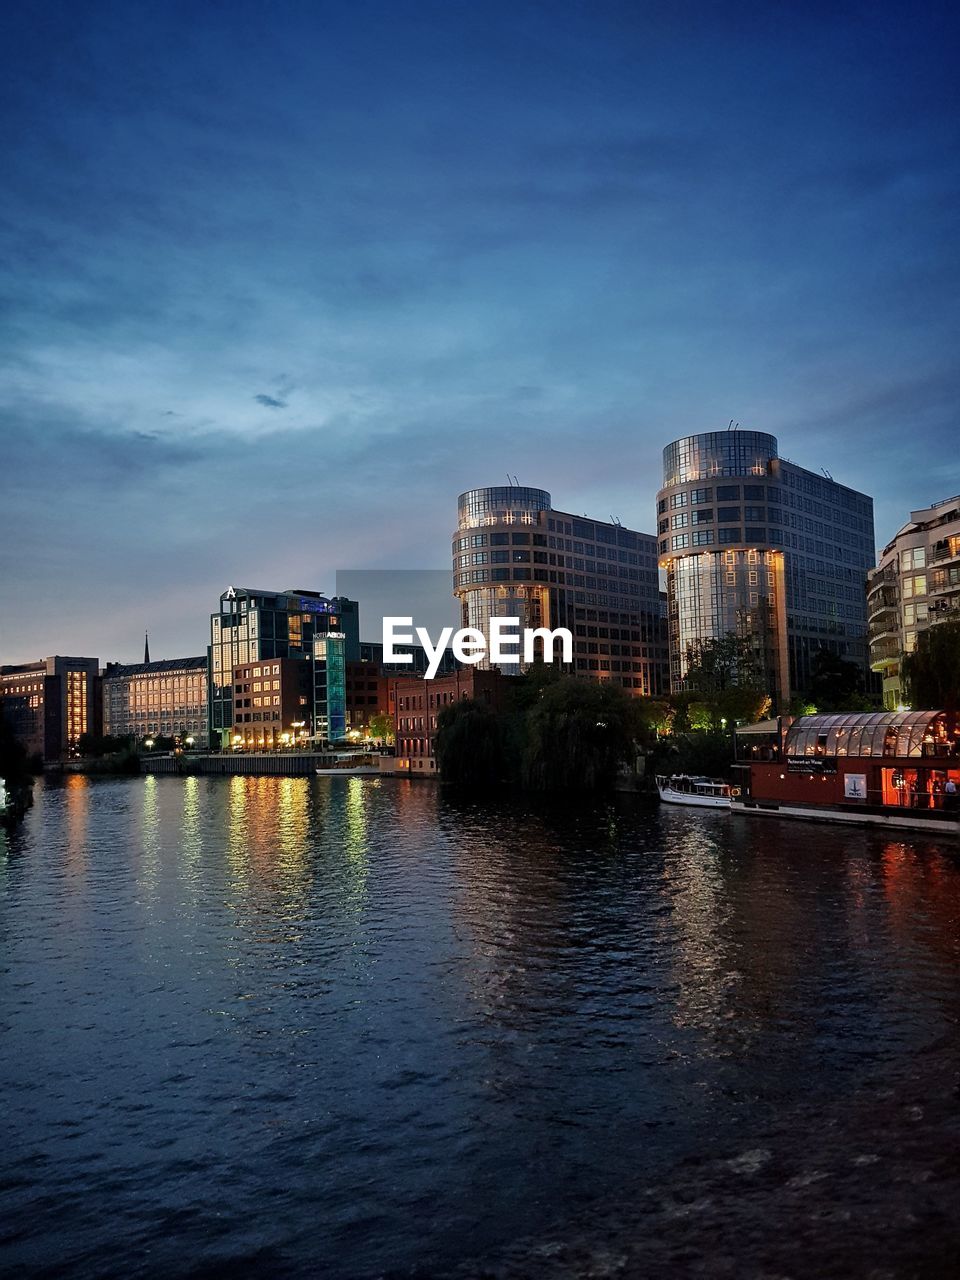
{"points": [[270, 402]]}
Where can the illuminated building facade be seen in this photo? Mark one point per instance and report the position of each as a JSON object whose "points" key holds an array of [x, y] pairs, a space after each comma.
{"points": [[252, 625], [50, 703], [151, 699], [515, 556], [755, 545], [916, 584], [272, 703]]}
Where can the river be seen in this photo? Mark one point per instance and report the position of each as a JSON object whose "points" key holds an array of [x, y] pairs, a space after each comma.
{"points": [[351, 1026]]}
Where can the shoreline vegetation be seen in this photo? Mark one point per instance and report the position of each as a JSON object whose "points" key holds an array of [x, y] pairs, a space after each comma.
{"points": [[17, 771], [562, 735]]}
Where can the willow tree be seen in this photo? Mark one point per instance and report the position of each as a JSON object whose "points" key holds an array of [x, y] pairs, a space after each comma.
{"points": [[469, 745], [579, 734]]}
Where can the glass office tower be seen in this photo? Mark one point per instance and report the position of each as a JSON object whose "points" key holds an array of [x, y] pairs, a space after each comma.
{"points": [[514, 556], [252, 624], [758, 546]]}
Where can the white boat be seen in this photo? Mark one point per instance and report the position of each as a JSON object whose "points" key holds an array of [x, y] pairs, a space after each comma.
{"points": [[701, 793]]}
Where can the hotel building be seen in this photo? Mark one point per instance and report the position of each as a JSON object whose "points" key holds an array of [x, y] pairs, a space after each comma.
{"points": [[515, 556], [758, 546], [253, 625], [50, 703], [915, 585], [151, 699], [272, 703]]}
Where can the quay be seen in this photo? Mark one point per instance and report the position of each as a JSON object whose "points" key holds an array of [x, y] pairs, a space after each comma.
{"points": [[292, 764]]}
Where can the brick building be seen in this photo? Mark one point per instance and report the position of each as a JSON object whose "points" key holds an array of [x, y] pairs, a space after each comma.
{"points": [[272, 703], [419, 702]]}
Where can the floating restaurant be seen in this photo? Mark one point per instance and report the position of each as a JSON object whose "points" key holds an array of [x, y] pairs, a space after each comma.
{"points": [[891, 768]]}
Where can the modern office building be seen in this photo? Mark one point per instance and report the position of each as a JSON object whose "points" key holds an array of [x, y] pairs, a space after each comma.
{"points": [[755, 545], [515, 556], [151, 699], [252, 625], [50, 703], [916, 584]]}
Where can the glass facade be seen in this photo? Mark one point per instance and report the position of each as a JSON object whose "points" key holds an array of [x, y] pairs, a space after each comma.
{"points": [[330, 687], [514, 556], [883, 733], [820, 532], [509, 505], [715, 594], [718, 453]]}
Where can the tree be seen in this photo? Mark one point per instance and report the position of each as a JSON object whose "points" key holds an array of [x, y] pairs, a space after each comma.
{"points": [[468, 744], [932, 671], [727, 681], [579, 734], [836, 684], [381, 727], [13, 755]]}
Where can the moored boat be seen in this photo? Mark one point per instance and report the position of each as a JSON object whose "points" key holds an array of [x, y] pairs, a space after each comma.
{"points": [[700, 793]]}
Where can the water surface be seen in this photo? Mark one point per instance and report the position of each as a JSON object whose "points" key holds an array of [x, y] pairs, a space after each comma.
{"points": [[342, 1026]]}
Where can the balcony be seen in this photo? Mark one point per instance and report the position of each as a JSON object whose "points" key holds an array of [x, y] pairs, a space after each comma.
{"points": [[883, 604], [944, 554], [884, 650]]}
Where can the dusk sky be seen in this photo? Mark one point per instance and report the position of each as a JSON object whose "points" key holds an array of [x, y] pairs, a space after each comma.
{"points": [[279, 281]]}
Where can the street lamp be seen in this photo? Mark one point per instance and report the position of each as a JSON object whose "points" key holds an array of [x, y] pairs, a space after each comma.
{"points": [[189, 741], [148, 743]]}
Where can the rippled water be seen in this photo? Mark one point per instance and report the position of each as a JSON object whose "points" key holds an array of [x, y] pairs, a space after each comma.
{"points": [[342, 1026]]}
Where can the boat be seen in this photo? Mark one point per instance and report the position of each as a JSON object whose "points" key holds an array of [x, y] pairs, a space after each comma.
{"points": [[893, 769], [701, 793]]}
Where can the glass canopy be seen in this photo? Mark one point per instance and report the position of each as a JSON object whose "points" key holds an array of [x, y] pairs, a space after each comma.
{"points": [[874, 733]]}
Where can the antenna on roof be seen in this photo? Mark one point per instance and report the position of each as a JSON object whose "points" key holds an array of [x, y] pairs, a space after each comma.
{"points": [[516, 482], [616, 520], [509, 481], [826, 473]]}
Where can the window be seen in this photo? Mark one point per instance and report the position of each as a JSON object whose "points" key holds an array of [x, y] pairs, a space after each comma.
{"points": [[679, 521], [728, 492], [702, 538], [703, 516], [753, 491], [755, 534], [701, 495], [678, 500], [756, 514], [679, 541], [729, 535], [727, 514]]}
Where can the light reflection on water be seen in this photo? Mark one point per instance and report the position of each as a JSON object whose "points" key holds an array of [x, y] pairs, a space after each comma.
{"points": [[343, 1024]]}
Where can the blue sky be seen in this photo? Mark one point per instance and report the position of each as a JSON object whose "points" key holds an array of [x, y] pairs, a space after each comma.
{"points": [[279, 281]]}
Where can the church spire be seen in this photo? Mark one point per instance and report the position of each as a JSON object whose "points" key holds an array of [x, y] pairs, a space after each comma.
{"points": [[146, 647]]}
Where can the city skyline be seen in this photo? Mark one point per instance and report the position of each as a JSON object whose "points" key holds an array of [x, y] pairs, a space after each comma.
{"points": [[277, 293]]}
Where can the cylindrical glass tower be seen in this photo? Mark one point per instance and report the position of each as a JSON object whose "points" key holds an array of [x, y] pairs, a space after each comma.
{"points": [[724, 574], [493, 556]]}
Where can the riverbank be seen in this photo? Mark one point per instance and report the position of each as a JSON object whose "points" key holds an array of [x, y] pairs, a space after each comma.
{"points": [[867, 1187]]}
